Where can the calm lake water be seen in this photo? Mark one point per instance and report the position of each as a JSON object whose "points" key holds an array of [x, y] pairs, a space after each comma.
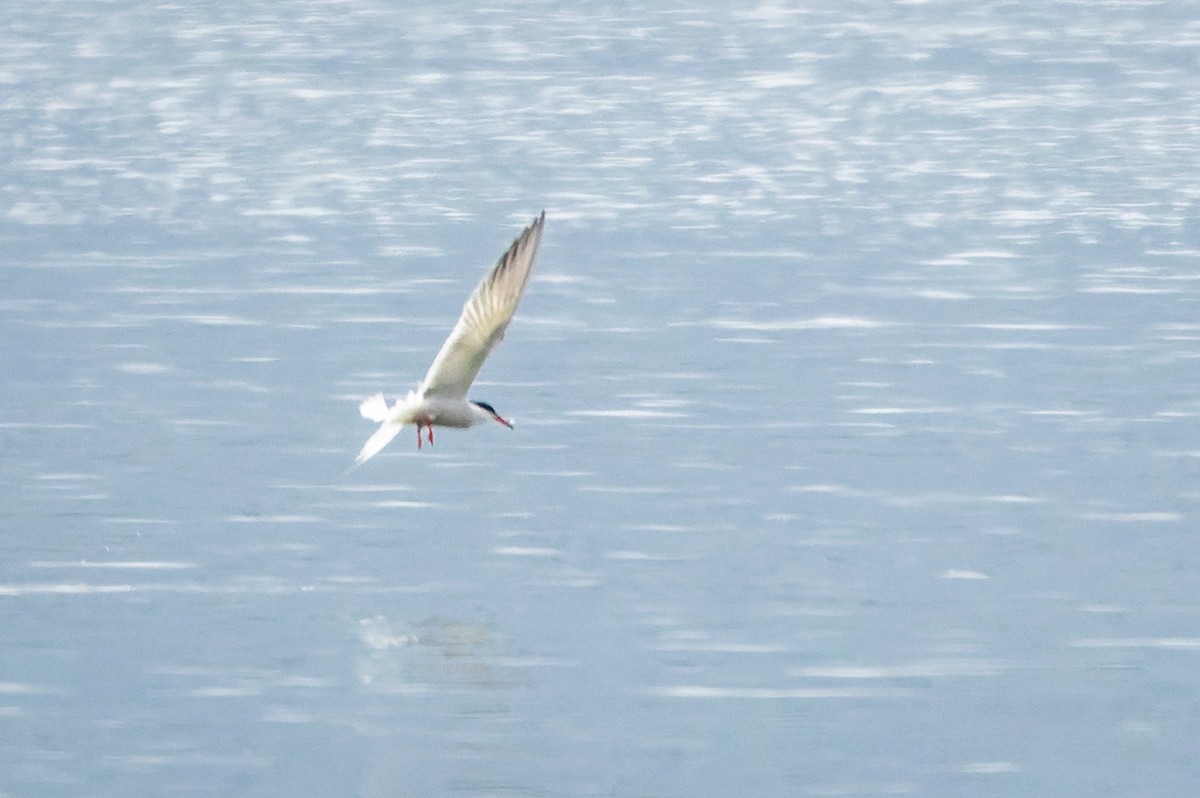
{"points": [[856, 399]]}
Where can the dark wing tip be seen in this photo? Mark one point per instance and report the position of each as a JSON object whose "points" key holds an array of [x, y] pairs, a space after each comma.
{"points": [[530, 237], [535, 227]]}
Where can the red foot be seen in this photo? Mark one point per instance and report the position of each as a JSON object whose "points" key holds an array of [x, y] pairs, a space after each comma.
{"points": [[430, 433]]}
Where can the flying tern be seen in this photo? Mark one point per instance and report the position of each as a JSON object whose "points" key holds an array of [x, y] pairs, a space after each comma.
{"points": [[441, 398]]}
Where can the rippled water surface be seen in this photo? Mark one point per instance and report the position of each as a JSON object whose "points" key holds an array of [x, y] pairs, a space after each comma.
{"points": [[856, 400]]}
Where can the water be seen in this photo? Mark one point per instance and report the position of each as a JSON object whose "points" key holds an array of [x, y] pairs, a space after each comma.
{"points": [[856, 400]]}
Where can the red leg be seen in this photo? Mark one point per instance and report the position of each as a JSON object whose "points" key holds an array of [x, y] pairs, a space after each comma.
{"points": [[430, 428], [418, 435]]}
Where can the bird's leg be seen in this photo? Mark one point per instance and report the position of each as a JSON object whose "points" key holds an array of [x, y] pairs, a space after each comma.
{"points": [[418, 434], [430, 428]]}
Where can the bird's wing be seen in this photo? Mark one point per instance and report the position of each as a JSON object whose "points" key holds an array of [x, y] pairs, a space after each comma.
{"points": [[382, 437], [484, 318]]}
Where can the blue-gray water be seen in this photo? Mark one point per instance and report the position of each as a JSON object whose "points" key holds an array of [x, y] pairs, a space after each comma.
{"points": [[856, 399]]}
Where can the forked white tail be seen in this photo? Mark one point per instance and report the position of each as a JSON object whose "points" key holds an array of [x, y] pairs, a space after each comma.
{"points": [[374, 408]]}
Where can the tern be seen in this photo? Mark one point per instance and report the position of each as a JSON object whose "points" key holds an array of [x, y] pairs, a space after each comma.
{"points": [[441, 398]]}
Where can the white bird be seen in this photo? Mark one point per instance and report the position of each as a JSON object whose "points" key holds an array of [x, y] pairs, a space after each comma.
{"points": [[441, 398]]}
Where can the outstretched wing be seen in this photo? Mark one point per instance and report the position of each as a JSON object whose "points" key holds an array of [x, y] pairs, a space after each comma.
{"points": [[382, 437], [484, 318]]}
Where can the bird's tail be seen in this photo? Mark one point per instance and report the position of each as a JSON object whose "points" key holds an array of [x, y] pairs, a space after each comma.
{"points": [[381, 438], [374, 408]]}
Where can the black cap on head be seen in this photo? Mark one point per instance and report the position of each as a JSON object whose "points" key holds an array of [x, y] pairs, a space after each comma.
{"points": [[492, 410]]}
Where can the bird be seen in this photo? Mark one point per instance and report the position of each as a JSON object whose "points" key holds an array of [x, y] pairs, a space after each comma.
{"points": [[441, 398]]}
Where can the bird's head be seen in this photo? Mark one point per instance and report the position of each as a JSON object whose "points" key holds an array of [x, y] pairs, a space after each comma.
{"points": [[491, 413]]}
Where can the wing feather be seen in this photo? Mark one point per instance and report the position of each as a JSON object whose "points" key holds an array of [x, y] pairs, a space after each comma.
{"points": [[382, 437], [484, 318]]}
